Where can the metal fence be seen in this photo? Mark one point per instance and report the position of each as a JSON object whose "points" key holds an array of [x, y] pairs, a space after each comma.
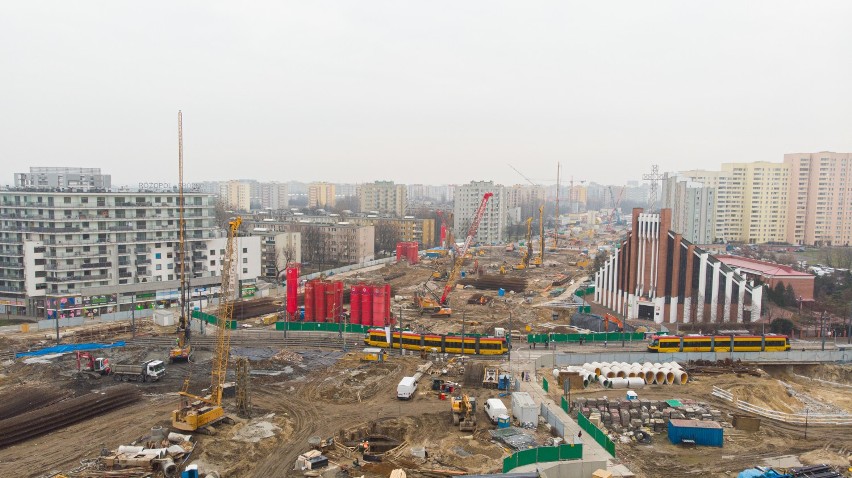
{"points": [[211, 319], [590, 337], [542, 454], [795, 418], [596, 433], [804, 356], [322, 327], [554, 421]]}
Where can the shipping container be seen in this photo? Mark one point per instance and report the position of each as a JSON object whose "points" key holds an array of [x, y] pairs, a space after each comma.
{"points": [[700, 432], [524, 408]]}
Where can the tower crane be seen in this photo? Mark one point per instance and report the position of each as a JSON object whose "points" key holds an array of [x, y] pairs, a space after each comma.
{"points": [[195, 411], [539, 259], [459, 260], [182, 348]]}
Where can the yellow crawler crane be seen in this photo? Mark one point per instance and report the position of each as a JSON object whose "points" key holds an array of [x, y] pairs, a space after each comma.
{"points": [[527, 252], [539, 259], [196, 412]]}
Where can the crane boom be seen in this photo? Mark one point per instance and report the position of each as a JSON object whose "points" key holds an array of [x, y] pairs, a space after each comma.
{"points": [[196, 411], [474, 225], [182, 349]]}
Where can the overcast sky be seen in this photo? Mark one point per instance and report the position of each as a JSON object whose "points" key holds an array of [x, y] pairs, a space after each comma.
{"points": [[420, 92]]}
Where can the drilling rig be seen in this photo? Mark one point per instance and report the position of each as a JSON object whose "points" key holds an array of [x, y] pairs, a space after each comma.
{"points": [[182, 349]]}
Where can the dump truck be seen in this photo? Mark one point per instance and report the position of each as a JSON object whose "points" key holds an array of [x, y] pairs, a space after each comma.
{"points": [[148, 371]]}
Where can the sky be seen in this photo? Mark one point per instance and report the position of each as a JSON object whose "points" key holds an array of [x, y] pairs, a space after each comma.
{"points": [[433, 92]]}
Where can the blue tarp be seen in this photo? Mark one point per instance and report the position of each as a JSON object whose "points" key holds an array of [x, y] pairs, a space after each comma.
{"points": [[761, 473], [61, 349]]}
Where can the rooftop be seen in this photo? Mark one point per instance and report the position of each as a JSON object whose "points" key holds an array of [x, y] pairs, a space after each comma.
{"points": [[693, 423], [761, 267]]}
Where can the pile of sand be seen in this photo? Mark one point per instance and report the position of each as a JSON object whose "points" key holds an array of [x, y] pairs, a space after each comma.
{"points": [[825, 457]]}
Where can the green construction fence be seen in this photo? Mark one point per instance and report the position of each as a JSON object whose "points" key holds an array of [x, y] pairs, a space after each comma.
{"points": [[542, 454], [584, 292], [596, 433], [592, 337], [211, 319]]}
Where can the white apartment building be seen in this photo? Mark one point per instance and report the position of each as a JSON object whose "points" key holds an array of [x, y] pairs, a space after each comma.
{"points": [[274, 195], [79, 179], [236, 195], [693, 208], [751, 200], [468, 197], [820, 199], [71, 246], [384, 197]]}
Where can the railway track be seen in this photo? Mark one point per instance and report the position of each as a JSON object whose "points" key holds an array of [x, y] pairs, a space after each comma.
{"points": [[64, 413]]}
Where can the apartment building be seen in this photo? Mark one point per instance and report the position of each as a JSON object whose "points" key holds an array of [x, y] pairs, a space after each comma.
{"points": [[321, 195], [820, 198], [467, 200], [693, 207], [410, 228], [751, 200], [60, 246], [277, 248], [79, 179], [274, 195], [236, 195], [335, 243], [384, 197]]}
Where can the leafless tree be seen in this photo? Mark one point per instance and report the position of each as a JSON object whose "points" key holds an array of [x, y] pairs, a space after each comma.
{"points": [[315, 246], [386, 237]]}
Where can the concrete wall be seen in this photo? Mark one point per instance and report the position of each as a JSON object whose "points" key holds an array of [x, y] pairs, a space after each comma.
{"points": [[571, 469], [815, 356], [77, 321]]}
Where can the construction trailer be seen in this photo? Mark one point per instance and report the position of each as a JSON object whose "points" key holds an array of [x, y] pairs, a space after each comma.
{"points": [[524, 408], [695, 432]]}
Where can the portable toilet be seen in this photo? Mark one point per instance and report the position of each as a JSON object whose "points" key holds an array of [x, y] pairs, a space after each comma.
{"points": [[503, 421], [631, 395]]}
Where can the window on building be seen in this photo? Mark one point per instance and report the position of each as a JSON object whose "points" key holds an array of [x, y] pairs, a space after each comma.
{"points": [[245, 270], [158, 256], [158, 267]]}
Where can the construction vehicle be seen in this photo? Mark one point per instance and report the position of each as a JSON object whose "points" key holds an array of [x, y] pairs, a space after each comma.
{"points": [[147, 371], [429, 302], [510, 247], [195, 411], [454, 274], [464, 412], [539, 259], [182, 349], [527, 252], [88, 364], [440, 275], [615, 320]]}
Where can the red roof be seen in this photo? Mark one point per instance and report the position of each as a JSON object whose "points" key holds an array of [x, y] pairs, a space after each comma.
{"points": [[767, 269]]}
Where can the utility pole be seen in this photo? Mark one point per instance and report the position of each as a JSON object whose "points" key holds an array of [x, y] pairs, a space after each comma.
{"points": [[400, 329], [57, 317], [822, 329]]}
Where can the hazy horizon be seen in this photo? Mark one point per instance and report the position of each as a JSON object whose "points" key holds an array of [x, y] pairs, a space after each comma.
{"points": [[420, 93]]}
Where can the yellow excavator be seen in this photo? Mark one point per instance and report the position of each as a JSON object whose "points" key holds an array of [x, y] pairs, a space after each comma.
{"points": [[195, 411], [464, 412]]}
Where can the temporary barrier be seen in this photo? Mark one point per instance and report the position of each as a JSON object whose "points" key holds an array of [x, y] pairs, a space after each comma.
{"points": [[211, 319], [591, 337], [542, 454], [596, 433], [321, 327]]}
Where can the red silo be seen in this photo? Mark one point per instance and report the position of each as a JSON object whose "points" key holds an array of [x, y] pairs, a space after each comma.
{"points": [[400, 251], [292, 290], [319, 301], [366, 304], [309, 302], [338, 299], [388, 303], [331, 305], [413, 257], [355, 305], [379, 306]]}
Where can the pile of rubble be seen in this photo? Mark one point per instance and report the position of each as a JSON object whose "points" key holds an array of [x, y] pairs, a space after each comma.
{"points": [[287, 356], [631, 415]]}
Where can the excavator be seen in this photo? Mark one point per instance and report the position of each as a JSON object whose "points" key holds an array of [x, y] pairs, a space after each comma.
{"points": [[539, 259], [615, 320], [429, 302], [88, 364], [196, 412], [464, 412], [527, 253], [182, 349]]}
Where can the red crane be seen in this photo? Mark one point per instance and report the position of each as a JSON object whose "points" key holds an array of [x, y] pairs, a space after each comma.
{"points": [[474, 225]]}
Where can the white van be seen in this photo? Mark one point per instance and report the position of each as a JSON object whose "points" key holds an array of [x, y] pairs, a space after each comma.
{"points": [[406, 388], [494, 408]]}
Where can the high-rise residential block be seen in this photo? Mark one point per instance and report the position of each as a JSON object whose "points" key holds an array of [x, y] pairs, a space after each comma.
{"points": [[384, 197], [79, 179], [467, 200], [820, 198], [321, 195], [274, 195], [236, 195], [751, 200], [693, 208]]}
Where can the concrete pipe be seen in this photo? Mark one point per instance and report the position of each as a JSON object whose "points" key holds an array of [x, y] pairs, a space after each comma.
{"points": [[647, 365], [618, 383], [632, 374], [168, 466], [606, 372], [675, 366], [657, 365], [681, 377], [178, 438], [555, 373], [635, 382], [133, 450], [670, 377], [649, 376], [659, 377], [621, 373], [603, 381]]}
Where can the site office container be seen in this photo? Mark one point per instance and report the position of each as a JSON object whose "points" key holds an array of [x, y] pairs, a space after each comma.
{"points": [[701, 432], [524, 408]]}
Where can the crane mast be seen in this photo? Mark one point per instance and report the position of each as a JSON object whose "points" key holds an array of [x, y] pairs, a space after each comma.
{"points": [[474, 225], [182, 350]]}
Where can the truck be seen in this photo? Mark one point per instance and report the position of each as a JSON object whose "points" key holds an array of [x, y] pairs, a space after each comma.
{"points": [[148, 371], [494, 408], [406, 388]]}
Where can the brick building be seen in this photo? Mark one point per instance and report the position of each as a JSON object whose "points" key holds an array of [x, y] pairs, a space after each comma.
{"points": [[657, 275], [771, 274]]}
